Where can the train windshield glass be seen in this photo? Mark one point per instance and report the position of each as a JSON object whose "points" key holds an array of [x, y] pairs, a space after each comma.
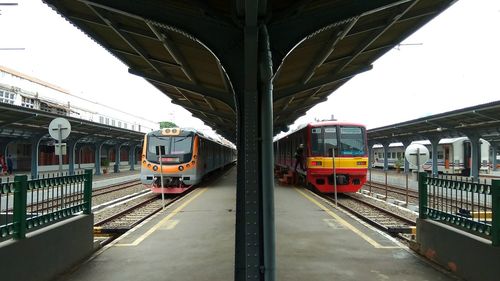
{"points": [[172, 146], [325, 140], [181, 145], [352, 141], [154, 142]]}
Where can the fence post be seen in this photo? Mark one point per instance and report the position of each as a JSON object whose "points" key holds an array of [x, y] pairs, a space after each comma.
{"points": [[495, 211], [422, 195], [87, 192], [20, 198]]}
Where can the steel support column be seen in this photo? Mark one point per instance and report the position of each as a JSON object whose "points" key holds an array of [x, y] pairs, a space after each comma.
{"points": [[406, 143], [475, 155], [267, 160], [131, 156], [386, 155], [370, 155], [494, 148], [434, 149], [98, 150], [71, 156], [116, 167], [255, 234], [35, 143]]}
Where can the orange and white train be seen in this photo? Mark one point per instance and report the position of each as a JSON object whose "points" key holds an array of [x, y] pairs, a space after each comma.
{"points": [[331, 150], [182, 157]]}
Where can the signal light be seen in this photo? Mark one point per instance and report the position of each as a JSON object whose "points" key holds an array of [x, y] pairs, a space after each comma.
{"points": [[361, 163], [316, 163]]}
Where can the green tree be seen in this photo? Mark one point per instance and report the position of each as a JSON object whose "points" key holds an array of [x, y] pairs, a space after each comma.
{"points": [[167, 124]]}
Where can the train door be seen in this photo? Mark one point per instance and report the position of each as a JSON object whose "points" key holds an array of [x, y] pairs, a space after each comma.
{"points": [[446, 157], [467, 158]]}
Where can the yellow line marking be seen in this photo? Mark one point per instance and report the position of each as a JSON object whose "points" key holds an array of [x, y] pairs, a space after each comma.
{"points": [[170, 225], [162, 222], [346, 224]]}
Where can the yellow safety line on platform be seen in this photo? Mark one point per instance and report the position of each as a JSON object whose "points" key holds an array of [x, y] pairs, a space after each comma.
{"points": [[346, 224], [163, 221]]}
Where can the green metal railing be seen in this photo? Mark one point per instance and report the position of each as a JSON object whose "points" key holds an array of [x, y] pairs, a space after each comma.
{"points": [[467, 205], [27, 204]]}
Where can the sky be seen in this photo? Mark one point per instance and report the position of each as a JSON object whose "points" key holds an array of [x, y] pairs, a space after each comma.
{"points": [[450, 63]]}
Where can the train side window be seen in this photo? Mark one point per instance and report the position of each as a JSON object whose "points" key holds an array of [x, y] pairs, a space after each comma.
{"points": [[331, 140], [316, 142]]}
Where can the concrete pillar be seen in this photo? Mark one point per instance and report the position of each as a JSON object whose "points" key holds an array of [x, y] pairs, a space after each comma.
{"points": [[434, 149], [35, 143], [117, 158]]}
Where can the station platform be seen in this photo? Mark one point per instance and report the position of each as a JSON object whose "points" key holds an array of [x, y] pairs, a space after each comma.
{"points": [[99, 181], [193, 239]]}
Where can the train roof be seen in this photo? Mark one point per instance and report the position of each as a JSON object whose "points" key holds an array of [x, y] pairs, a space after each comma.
{"points": [[319, 124], [427, 142], [199, 133]]}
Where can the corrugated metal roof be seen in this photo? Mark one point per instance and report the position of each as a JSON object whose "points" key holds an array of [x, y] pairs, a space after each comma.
{"points": [[480, 120], [183, 47]]}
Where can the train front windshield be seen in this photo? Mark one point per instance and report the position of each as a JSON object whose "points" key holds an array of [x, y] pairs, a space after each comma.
{"points": [[173, 150], [345, 140]]}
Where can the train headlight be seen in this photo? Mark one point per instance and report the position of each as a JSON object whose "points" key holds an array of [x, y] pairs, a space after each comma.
{"points": [[155, 168], [187, 165], [181, 168], [167, 131]]}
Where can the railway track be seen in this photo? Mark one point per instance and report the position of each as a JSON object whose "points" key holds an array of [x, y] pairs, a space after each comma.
{"points": [[441, 198], [130, 214], [377, 216], [399, 193], [50, 200]]}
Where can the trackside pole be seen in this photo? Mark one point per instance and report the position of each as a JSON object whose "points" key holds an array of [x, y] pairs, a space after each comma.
{"points": [[160, 159], [334, 178]]}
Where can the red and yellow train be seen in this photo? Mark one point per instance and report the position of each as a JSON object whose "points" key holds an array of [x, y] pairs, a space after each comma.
{"points": [[181, 157], [331, 149]]}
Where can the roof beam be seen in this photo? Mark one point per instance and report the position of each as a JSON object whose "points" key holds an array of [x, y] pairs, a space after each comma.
{"points": [[164, 63], [126, 38], [331, 78], [330, 45], [373, 38], [204, 111], [195, 89], [171, 48]]}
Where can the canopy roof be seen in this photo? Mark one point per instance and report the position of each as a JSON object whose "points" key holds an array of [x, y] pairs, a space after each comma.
{"points": [[182, 47], [480, 120], [19, 123]]}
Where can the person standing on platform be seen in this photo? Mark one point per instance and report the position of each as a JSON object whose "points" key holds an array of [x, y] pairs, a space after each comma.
{"points": [[3, 166], [10, 165], [299, 157]]}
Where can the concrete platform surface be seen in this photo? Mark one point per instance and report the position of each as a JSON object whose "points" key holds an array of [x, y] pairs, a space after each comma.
{"points": [[194, 240]]}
